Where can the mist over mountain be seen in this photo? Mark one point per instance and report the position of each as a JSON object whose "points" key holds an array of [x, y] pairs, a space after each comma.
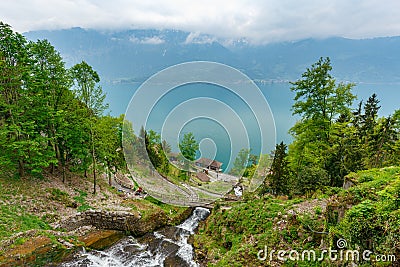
{"points": [[125, 59], [137, 54]]}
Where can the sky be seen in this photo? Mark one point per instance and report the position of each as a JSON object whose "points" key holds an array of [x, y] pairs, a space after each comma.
{"points": [[256, 21]]}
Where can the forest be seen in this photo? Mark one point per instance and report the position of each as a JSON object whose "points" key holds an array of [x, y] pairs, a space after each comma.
{"points": [[50, 116], [54, 117], [332, 139]]}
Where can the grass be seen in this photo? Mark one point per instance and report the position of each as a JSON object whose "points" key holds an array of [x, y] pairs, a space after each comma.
{"points": [[219, 187], [15, 219], [81, 199], [149, 206], [371, 221]]}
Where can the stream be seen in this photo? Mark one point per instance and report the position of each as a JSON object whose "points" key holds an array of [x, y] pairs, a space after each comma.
{"points": [[166, 247]]}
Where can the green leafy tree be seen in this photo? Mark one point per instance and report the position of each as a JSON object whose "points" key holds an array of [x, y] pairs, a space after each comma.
{"points": [[129, 144], [153, 148], [241, 162], [108, 144], [74, 136], [368, 119], [91, 94], [395, 159], [49, 91], [22, 144], [188, 147], [383, 142], [319, 100], [344, 155]]}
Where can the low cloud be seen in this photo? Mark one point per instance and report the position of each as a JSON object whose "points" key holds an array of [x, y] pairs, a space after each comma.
{"points": [[155, 40], [198, 38]]}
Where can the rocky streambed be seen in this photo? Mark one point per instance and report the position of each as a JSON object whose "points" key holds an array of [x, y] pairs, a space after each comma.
{"points": [[168, 246]]}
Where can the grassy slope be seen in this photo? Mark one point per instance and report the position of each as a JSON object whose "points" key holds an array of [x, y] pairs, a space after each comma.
{"points": [[30, 206], [366, 215]]}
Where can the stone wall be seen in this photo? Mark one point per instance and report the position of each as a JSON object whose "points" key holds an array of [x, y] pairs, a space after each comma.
{"points": [[116, 220]]}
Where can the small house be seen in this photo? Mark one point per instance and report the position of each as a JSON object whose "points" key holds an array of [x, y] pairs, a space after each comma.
{"points": [[203, 177], [209, 164]]}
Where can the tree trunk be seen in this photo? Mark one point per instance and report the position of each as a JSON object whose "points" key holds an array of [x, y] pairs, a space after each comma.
{"points": [[94, 172], [109, 174], [21, 168], [94, 163], [63, 173]]}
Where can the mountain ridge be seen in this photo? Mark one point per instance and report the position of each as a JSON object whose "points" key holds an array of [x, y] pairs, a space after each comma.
{"points": [[149, 51]]}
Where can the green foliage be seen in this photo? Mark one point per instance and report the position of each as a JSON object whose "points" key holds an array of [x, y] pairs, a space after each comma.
{"points": [[233, 237], [108, 143], [374, 220], [57, 194], [320, 102], [57, 130], [14, 219], [81, 199], [241, 162], [87, 89], [188, 146], [278, 176]]}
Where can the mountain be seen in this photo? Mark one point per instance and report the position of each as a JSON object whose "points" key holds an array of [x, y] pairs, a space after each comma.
{"points": [[132, 55], [137, 54], [124, 59]]}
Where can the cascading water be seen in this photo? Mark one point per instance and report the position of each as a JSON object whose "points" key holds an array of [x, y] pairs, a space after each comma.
{"points": [[168, 246]]}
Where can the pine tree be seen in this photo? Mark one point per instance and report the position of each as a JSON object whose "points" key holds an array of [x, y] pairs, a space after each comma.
{"points": [[278, 176]]}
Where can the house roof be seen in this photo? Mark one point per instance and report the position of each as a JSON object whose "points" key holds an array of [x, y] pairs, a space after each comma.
{"points": [[204, 161], [216, 164], [202, 177], [209, 162]]}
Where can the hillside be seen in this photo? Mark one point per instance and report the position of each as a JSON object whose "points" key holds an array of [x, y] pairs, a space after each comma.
{"points": [[31, 210], [363, 217]]}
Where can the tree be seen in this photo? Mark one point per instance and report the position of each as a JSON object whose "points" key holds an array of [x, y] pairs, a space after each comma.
{"points": [[108, 144], [383, 142], [153, 148], [319, 101], [49, 86], [129, 144], [368, 119], [188, 147], [22, 143], [241, 162], [74, 136], [91, 94], [395, 159], [278, 176], [344, 155]]}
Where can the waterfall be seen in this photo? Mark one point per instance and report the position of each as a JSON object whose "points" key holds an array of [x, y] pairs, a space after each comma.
{"points": [[169, 245]]}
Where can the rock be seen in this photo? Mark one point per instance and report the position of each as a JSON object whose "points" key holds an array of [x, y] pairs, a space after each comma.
{"points": [[100, 239]]}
